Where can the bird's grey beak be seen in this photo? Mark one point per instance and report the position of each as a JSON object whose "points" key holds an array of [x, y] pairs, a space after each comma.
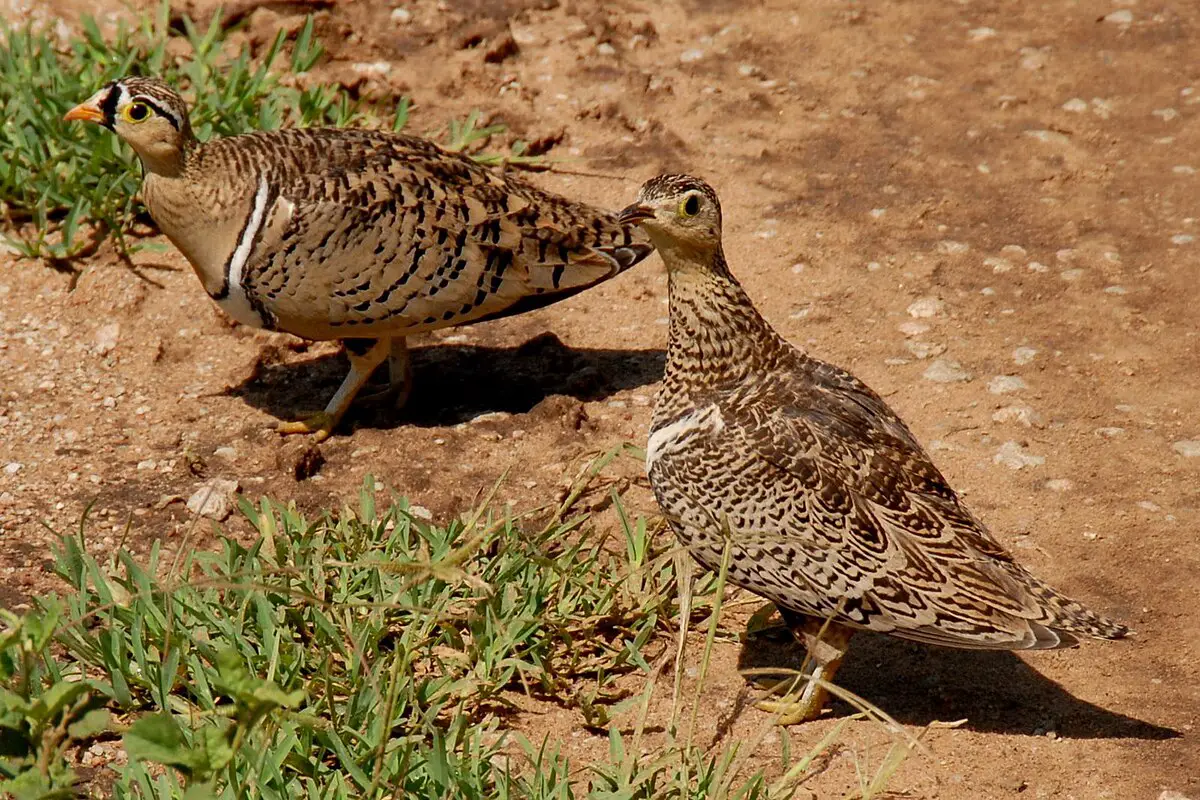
{"points": [[635, 213]]}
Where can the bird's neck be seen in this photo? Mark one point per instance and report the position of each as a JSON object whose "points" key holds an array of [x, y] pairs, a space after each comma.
{"points": [[168, 160], [717, 337]]}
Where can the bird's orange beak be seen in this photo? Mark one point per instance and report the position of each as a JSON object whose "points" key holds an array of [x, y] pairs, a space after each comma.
{"points": [[86, 111]]}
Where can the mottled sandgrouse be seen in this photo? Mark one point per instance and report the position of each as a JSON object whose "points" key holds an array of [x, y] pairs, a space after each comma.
{"points": [[833, 510], [358, 235]]}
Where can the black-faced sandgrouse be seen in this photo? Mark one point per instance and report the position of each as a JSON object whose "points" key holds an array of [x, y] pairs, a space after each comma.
{"points": [[358, 235]]}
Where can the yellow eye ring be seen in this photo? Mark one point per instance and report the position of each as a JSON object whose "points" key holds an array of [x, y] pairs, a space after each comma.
{"points": [[690, 206], [136, 112]]}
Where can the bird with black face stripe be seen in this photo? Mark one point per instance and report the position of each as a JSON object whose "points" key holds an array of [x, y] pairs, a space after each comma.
{"points": [[357, 235], [826, 502]]}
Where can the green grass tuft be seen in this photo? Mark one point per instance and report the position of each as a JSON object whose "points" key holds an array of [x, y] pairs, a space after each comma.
{"points": [[66, 188]]}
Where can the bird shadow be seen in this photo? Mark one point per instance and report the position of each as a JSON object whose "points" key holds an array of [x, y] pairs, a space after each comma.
{"points": [[454, 383], [995, 691]]}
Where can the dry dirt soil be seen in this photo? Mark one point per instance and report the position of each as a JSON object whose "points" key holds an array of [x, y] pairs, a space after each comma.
{"points": [[988, 210]]}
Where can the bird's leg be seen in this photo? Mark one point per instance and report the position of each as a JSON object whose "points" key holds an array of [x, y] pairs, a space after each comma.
{"points": [[826, 644], [365, 355], [399, 378]]}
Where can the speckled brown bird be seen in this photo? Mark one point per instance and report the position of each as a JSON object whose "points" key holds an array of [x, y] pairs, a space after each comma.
{"points": [[358, 235], [831, 508]]}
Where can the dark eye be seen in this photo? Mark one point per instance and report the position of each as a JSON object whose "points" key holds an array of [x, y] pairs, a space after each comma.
{"points": [[138, 112], [691, 206]]}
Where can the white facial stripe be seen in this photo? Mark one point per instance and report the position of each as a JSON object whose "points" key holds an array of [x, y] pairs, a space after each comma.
{"points": [[236, 303]]}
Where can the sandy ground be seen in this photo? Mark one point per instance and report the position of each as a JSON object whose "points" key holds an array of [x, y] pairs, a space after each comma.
{"points": [[986, 210]]}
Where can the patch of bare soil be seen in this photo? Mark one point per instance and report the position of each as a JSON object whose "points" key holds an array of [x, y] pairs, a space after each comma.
{"points": [[986, 210]]}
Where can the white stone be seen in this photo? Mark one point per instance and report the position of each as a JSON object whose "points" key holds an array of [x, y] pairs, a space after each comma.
{"points": [[1060, 484], [1023, 355], [371, 68], [926, 307], [401, 16], [980, 34], [1075, 105], [946, 370], [1004, 384], [1109, 432], [1025, 415], [1120, 17], [924, 350], [951, 248], [1188, 448], [913, 328], [690, 56], [214, 499], [1013, 456], [106, 338]]}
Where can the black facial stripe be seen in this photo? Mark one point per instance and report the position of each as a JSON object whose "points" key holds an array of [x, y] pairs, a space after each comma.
{"points": [[161, 111], [108, 106]]}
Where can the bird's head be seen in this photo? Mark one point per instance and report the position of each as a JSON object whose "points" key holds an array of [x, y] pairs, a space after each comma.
{"points": [[680, 213], [146, 113]]}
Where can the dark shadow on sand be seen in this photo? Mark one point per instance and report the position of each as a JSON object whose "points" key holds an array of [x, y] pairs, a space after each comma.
{"points": [[455, 383], [994, 691]]}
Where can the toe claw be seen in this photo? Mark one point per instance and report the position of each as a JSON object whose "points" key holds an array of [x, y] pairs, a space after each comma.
{"points": [[320, 425]]}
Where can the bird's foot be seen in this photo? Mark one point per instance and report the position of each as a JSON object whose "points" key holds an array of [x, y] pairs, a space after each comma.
{"points": [[798, 706], [320, 425]]}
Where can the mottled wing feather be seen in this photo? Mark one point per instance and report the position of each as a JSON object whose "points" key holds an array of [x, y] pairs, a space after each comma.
{"points": [[837, 510], [375, 234]]}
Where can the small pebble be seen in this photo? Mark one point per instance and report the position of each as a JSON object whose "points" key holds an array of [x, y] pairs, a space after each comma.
{"points": [[1060, 484], [690, 56], [1023, 355], [946, 370], [1013, 456], [925, 307], [952, 248], [1188, 448], [214, 499], [1022, 414], [924, 350], [1109, 433], [1120, 17], [1003, 384], [106, 338], [913, 328]]}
